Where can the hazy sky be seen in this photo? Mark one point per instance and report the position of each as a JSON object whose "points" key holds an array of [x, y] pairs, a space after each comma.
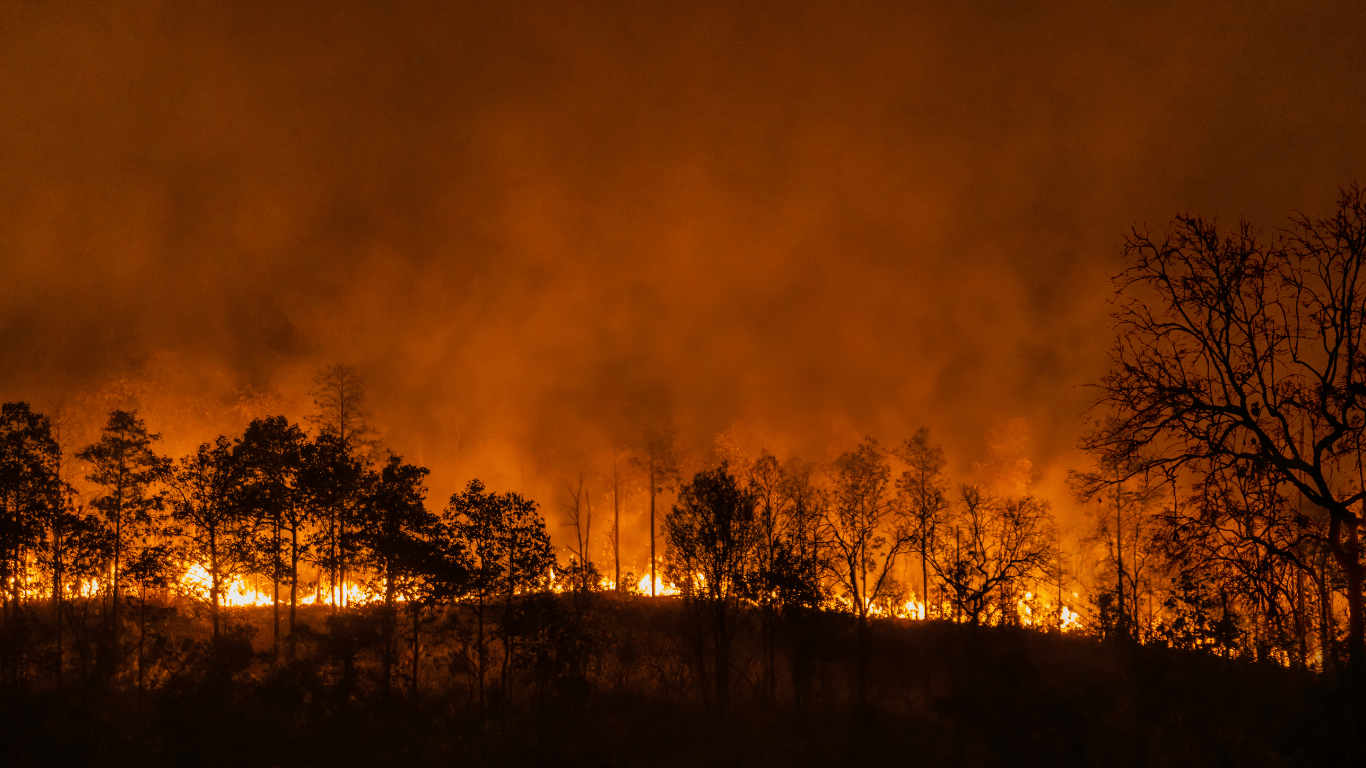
{"points": [[806, 222]]}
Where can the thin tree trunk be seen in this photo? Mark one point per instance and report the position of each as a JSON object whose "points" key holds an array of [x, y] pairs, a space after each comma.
{"points": [[57, 599], [213, 582], [142, 639], [616, 523], [275, 587], [293, 584], [483, 655], [1119, 556], [652, 526], [416, 626]]}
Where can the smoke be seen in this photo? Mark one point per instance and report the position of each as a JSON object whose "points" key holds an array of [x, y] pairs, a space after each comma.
{"points": [[805, 222]]}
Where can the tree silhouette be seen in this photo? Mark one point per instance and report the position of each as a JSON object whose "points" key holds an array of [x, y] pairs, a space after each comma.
{"points": [[506, 538], [331, 479], [768, 483], [655, 454], [923, 492], [715, 537], [997, 543], [867, 536], [339, 396], [1234, 349], [1123, 505], [581, 572], [216, 526], [270, 454], [30, 494], [130, 473], [393, 535]]}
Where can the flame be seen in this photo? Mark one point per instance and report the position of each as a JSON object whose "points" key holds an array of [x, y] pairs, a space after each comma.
{"points": [[237, 592], [661, 589]]}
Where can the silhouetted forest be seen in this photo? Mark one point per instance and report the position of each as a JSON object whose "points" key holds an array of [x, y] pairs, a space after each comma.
{"points": [[284, 597], [276, 598]]}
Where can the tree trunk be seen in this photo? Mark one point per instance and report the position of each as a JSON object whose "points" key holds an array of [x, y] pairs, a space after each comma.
{"points": [[386, 677], [416, 626], [616, 524], [652, 526], [57, 599], [482, 656], [275, 588], [142, 638], [293, 584], [924, 580], [1120, 628], [332, 559], [1348, 557], [213, 583]]}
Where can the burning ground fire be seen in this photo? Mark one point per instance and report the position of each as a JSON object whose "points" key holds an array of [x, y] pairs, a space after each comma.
{"points": [[239, 592]]}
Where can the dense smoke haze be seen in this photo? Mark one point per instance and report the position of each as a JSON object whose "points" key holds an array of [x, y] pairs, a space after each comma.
{"points": [[804, 223]]}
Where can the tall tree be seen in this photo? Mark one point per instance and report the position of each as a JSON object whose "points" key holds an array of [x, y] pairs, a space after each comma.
{"points": [[997, 543], [339, 396], [29, 494], [867, 535], [270, 455], [132, 501], [210, 508], [766, 484], [393, 541], [1237, 348], [580, 509], [331, 478], [655, 455], [923, 492], [715, 537], [506, 538]]}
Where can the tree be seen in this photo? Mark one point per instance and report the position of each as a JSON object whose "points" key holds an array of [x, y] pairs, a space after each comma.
{"points": [[925, 497], [270, 453], [30, 493], [997, 543], [581, 571], [132, 502], [656, 455], [217, 530], [1237, 349], [151, 566], [506, 539], [331, 479], [1242, 536], [767, 484], [866, 535], [715, 536], [1120, 518], [393, 538], [339, 395]]}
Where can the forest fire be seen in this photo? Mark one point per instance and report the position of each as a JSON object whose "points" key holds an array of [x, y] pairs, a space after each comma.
{"points": [[678, 384]]}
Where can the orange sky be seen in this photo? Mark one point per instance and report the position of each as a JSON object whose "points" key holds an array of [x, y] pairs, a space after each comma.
{"points": [[806, 222]]}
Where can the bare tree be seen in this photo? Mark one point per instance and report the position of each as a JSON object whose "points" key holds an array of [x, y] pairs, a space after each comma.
{"points": [[866, 535], [925, 498], [1235, 348], [339, 395], [997, 544], [580, 510], [656, 456]]}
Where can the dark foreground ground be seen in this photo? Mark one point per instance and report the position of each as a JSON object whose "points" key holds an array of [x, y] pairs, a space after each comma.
{"points": [[939, 695]]}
